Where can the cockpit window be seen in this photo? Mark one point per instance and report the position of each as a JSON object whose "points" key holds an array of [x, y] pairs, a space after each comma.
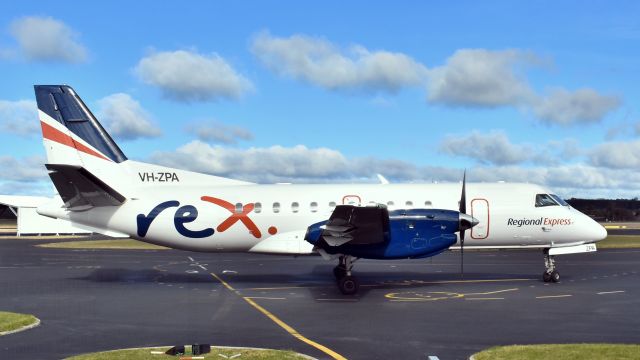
{"points": [[545, 200], [559, 200]]}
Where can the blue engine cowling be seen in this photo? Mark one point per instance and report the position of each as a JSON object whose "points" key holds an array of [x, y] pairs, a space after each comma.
{"points": [[375, 233]]}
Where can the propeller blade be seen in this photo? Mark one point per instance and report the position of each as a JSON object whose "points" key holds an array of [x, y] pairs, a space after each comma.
{"points": [[463, 225], [463, 196], [462, 255]]}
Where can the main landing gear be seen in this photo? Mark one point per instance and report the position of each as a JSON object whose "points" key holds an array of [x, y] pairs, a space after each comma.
{"points": [[550, 272], [347, 283]]}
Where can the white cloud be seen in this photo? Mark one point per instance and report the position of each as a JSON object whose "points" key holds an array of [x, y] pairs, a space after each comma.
{"points": [[25, 169], [482, 78], [19, 117], [300, 164], [188, 76], [617, 155], [581, 106], [214, 131], [125, 118], [47, 39], [323, 64], [274, 162], [488, 148]]}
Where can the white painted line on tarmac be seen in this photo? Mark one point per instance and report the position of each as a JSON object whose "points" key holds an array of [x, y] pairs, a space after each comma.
{"points": [[611, 292], [202, 267], [484, 298], [190, 258], [552, 296], [266, 298]]}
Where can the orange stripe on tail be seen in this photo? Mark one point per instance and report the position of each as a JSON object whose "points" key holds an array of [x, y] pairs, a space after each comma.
{"points": [[53, 134]]}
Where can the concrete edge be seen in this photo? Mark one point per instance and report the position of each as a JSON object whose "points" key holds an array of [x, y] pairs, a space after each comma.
{"points": [[212, 346], [26, 327]]}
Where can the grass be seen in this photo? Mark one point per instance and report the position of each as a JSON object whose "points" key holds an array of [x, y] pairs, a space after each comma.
{"points": [[619, 242], [139, 354], [561, 352], [11, 321], [127, 244], [39, 237]]}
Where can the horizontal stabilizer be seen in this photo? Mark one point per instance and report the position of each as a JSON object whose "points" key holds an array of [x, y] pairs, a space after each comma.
{"points": [[80, 189]]}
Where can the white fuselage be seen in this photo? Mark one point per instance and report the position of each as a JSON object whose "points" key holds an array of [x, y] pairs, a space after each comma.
{"points": [[281, 214]]}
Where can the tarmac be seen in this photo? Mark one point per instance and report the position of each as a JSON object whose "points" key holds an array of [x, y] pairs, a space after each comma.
{"points": [[96, 300]]}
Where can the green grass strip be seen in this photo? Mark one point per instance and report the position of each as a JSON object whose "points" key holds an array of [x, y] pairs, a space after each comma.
{"points": [[245, 354], [12, 321], [620, 242], [561, 352]]}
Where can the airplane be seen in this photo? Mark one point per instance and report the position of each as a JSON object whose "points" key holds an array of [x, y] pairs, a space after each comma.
{"points": [[101, 189]]}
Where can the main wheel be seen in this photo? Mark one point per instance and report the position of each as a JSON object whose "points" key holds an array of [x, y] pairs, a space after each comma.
{"points": [[339, 272], [546, 277], [555, 276], [348, 285]]}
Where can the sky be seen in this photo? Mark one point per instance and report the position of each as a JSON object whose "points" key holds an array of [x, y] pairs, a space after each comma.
{"points": [[544, 92]]}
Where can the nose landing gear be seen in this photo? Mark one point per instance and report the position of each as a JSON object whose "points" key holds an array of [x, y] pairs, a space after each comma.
{"points": [[550, 274]]}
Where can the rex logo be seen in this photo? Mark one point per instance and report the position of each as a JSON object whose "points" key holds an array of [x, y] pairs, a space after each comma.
{"points": [[188, 213]]}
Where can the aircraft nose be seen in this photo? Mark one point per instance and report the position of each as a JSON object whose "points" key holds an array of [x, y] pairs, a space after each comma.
{"points": [[600, 232]]}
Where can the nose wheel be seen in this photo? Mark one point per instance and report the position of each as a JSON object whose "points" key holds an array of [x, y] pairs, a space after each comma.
{"points": [[347, 283], [550, 274]]}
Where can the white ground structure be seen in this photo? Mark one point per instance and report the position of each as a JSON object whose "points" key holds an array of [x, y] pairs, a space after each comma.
{"points": [[30, 222]]}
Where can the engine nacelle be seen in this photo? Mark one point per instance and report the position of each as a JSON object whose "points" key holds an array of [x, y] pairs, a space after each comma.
{"points": [[376, 233]]}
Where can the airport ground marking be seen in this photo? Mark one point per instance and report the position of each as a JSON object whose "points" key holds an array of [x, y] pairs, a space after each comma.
{"points": [[553, 296], [491, 292], [611, 292], [265, 298], [293, 332], [404, 283], [442, 295], [471, 299]]}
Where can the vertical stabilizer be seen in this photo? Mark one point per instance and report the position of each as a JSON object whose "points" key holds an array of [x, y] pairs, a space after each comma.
{"points": [[68, 126]]}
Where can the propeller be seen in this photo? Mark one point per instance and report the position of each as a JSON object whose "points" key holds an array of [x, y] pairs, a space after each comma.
{"points": [[465, 221]]}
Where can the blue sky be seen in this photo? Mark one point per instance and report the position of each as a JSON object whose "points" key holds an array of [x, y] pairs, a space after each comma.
{"points": [[544, 92]]}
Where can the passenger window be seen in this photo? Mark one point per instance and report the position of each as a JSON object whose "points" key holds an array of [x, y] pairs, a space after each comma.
{"points": [[257, 207], [276, 207], [390, 204], [372, 203], [295, 207], [409, 203], [314, 206], [545, 200], [332, 204], [428, 203], [238, 208]]}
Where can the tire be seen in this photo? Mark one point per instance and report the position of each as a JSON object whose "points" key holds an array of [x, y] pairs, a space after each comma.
{"points": [[348, 285], [555, 276], [546, 277]]}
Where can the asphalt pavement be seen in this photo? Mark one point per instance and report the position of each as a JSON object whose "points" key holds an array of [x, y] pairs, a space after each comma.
{"points": [[94, 300]]}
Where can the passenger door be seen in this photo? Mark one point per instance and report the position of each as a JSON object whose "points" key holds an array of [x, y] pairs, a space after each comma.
{"points": [[480, 211]]}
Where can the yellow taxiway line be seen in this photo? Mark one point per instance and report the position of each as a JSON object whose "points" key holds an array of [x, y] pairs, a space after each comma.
{"points": [[293, 332]]}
